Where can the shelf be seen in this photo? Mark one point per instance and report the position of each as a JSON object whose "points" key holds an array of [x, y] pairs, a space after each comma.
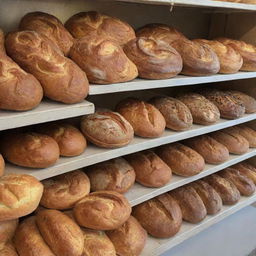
{"points": [[180, 80], [156, 247], [93, 154], [45, 112], [138, 193]]}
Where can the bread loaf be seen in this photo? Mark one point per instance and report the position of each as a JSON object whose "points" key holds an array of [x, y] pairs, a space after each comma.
{"points": [[247, 170], [161, 216], [61, 79], [49, 26], [248, 133], [2, 165], [116, 175], [18, 89], [146, 120], [107, 129], [150, 169], [182, 160], [20, 195], [61, 233], [30, 149], [154, 59], [7, 230], [64, 191], [176, 113], [203, 111], [102, 210], [8, 250], [129, 239]]}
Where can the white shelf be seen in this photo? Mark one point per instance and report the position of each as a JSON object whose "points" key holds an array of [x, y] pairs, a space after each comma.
{"points": [[93, 154], [45, 112], [180, 80], [138, 193], [156, 247]]}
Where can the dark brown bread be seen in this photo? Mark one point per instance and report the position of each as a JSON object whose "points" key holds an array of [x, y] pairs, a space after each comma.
{"points": [[247, 170], [248, 133]]}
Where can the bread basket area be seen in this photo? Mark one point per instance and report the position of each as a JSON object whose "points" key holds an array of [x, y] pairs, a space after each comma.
{"points": [[128, 127]]}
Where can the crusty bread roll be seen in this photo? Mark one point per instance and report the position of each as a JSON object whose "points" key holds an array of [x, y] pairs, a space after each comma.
{"points": [[228, 105], [150, 169], [161, 216], [230, 60], [70, 140], [60, 232], [247, 170], [64, 191], [90, 23], [2, 165], [28, 240], [248, 133], [102, 210], [229, 137], [245, 185], [30, 149], [49, 26], [182, 160], [20, 195], [107, 129], [176, 113], [7, 230], [61, 79], [203, 111], [18, 89], [154, 59], [146, 120], [116, 175], [247, 51], [8, 249], [212, 200], [210, 149], [226, 189]]}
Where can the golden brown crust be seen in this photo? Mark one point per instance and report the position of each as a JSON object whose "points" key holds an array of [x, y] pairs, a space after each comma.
{"points": [[2, 165], [161, 216], [248, 133], [154, 59], [91, 23], [203, 111], [129, 239], [102, 210], [146, 120], [7, 230], [20, 195], [247, 170], [61, 79], [61, 233], [176, 114], [30, 149], [247, 1], [150, 169], [64, 191], [115, 175], [107, 129], [49, 26], [182, 160], [8, 249]]}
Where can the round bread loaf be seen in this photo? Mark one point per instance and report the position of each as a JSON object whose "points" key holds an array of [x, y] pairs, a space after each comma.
{"points": [[212, 200], [70, 140], [28, 240], [154, 59], [176, 113], [60, 232], [161, 216], [247, 170], [90, 23], [192, 206], [146, 120], [102, 210], [210, 149], [107, 129], [30, 149], [150, 169], [116, 175], [182, 160], [129, 239], [20, 195], [2, 165], [226, 189], [7, 230], [8, 250], [230, 60], [248, 133], [203, 111], [64, 191]]}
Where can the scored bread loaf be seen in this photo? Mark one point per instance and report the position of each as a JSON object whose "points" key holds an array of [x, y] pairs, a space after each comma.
{"points": [[247, 170], [8, 249], [248, 133], [161, 216], [61, 79], [7, 230]]}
